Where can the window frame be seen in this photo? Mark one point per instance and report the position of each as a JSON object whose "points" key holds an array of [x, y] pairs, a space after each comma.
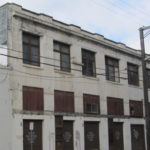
{"points": [[87, 100], [135, 73], [61, 44], [87, 52], [136, 105], [30, 45], [108, 77]]}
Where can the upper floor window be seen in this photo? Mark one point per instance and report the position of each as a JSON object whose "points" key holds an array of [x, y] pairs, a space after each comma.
{"points": [[62, 56], [88, 61], [91, 103], [31, 49], [33, 98], [136, 108], [115, 106], [148, 78], [64, 101], [112, 69], [133, 76]]}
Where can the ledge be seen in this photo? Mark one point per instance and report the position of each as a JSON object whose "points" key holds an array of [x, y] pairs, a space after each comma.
{"points": [[33, 67], [63, 72]]}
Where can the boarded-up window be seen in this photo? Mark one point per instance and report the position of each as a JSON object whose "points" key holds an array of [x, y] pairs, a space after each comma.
{"points": [[115, 106], [64, 101], [32, 135], [137, 137], [33, 98], [91, 103], [136, 108], [115, 135], [91, 135]]}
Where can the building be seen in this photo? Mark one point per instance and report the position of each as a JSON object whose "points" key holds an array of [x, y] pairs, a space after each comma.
{"points": [[63, 88]]}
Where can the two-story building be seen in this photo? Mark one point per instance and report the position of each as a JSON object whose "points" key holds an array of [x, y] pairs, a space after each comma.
{"points": [[64, 88]]}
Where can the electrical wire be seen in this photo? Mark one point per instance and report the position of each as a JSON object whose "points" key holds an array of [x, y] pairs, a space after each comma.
{"points": [[120, 71], [47, 64]]}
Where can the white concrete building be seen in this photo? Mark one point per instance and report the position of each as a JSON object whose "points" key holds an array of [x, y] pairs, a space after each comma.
{"points": [[63, 88]]}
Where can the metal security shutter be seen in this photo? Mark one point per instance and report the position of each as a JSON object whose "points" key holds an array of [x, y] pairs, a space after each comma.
{"points": [[33, 98], [91, 99], [136, 108], [64, 101], [32, 140], [115, 106], [91, 134], [68, 135], [137, 137], [115, 135]]}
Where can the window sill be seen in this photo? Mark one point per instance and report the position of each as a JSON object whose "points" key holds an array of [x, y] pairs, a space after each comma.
{"points": [[90, 77], [63, 72], [134, 86], [32, 66], [113, 82]]}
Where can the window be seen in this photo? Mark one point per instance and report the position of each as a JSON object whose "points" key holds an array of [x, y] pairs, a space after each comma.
{"points": [[88, 61], [112, 69], [148, 78], [115, 106], [91, 103], [136, 108], [31, 49], [133, 76], [64, 101], [62, 56], [33, 98]]}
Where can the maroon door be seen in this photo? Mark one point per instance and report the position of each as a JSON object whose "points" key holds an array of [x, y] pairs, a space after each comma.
{"points": [[68, 135], [91, 131], [115, 136], [137, 137], [32, 135]]}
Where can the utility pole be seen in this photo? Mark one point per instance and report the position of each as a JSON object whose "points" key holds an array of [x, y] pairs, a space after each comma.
{"points": [[145, 87]]}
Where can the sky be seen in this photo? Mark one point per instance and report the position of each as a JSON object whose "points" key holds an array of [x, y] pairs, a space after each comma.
{"points": [[117, 20]]}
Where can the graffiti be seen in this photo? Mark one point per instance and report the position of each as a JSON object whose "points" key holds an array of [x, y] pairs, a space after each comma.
{"points": [[78, 144], [31, 137], [67, 136], [117, 135], [90, 136], [135, 133]]}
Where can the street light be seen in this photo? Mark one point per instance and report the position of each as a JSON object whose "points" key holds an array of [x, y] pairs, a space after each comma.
{"points": [[145, 86]]}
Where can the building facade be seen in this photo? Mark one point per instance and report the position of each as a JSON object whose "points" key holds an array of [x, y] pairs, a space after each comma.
{"points": [[64, 88]]}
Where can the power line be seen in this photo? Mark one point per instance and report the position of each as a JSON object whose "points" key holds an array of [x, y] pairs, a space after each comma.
{"points": [[133, 6], [120, 71], [47, 64], [114, 11], [130, 13]]}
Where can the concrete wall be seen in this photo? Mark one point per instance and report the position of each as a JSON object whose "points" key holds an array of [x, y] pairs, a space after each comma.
{"points": [[5, 110], [52, 79], [3, 25]]}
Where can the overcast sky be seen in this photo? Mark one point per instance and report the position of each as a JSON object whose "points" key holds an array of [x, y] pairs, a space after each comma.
{"points": [[118, 20]]}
